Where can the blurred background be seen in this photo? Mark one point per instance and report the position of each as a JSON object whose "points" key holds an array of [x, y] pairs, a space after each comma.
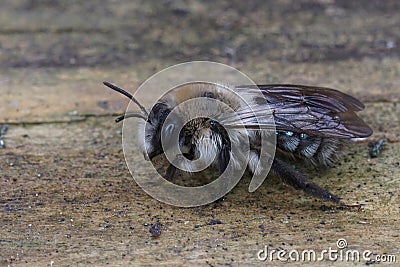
{"points": [[350, 45], [334, 43], [67, 196], [55, 33]]}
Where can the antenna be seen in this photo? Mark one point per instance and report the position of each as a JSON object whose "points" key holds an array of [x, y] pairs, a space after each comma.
{"points": [[125, 93], [131, 115]]}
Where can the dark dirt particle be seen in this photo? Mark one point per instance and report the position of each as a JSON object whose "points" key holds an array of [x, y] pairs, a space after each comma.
{"points": [[214, 222], [211, 222], [155, 229]]}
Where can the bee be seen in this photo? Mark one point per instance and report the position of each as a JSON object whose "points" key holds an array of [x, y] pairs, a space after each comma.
{"points": [[312, 124]]}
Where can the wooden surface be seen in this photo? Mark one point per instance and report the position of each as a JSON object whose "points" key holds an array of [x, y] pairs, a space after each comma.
{"points": [[67, 196]]}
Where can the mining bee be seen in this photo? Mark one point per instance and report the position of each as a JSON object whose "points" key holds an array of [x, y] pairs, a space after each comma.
{"points": [[312, 124]]}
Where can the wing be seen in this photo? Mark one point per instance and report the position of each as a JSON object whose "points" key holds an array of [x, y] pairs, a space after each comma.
{"points": [[312, 110]]}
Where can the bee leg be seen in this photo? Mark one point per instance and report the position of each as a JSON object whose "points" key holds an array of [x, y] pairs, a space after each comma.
{"points": [[223, 158], [170, 173], [294, 178]]}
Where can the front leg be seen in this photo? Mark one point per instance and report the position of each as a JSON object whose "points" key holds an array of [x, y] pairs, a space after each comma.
{"points": [[223, 158], [171, 171]]}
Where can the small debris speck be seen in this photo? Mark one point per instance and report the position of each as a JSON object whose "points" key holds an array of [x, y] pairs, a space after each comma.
{"points": [[214, 222], [376, 147], [370, 262], [211, 222], [155, 229]]}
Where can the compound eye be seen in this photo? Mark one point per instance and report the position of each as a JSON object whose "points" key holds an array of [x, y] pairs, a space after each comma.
{"points": [[213, 122], [167, 135]]}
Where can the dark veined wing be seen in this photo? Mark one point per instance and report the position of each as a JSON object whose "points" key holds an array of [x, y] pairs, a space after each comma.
{"points": [[316, 111]]}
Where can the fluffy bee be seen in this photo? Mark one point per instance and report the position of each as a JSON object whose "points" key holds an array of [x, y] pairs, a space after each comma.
{"points": [[312, 123]]}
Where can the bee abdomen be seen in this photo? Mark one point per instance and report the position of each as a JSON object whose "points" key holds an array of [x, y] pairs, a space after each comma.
{"points": [[315, 149]]}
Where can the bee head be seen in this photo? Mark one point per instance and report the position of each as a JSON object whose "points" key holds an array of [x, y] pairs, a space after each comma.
{"points": [[159, 127], [154, 130]]}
